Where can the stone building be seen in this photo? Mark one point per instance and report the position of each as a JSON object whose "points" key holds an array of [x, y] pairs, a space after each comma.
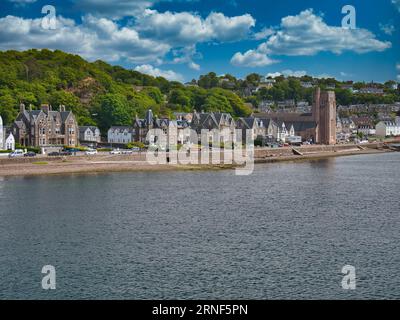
{"points": [[45, 127], [173, 131], [212, 122], [318, 126], [324, 113], [256, 126]]}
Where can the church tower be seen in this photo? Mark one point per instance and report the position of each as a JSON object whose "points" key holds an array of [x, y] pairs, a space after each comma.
{"points": [[324, 114]]}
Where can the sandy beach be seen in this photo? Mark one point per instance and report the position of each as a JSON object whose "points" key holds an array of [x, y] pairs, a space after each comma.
{"points": [[103, 163]]}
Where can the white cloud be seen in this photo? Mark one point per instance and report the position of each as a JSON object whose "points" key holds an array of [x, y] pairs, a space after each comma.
{"points": [[93, 39], [324, 76], [398, 66], [185, 56], [274, 74], [251, 58], [185, 28], [155, 72], [22, 1], [307, 34], [387, 28], [113, 9], [147, 39], [345, 74], [291, 73], [288, 73], [228, 29], [117, 9], [263, 34]]}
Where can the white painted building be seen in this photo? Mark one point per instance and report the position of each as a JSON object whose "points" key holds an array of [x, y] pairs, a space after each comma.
{"points": [[285, 132], [10, 142], [89, 134], [388, 128], [121, 134]]}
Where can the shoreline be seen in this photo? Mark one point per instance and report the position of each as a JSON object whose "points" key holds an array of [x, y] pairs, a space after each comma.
{"points": [[113, 164]]}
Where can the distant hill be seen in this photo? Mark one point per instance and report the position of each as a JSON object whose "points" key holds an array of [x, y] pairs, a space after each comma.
{"points": [[99, 93]]}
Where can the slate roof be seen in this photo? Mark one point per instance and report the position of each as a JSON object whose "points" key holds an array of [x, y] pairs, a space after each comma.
{"points": [[82, 129]]}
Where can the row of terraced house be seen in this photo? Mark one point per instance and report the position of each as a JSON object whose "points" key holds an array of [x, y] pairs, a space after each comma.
{"points": [[46, 127], [319, 126]]}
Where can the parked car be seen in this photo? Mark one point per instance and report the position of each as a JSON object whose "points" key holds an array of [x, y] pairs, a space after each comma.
{"points": [[115, 151], [16, 154], [65, 153], [136, 149], [54, 154], [30, 154], [126, 152], [91, 152]]}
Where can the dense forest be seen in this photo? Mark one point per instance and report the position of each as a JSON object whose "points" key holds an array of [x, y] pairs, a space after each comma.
{"points": [[104, 95], [98, 93]]}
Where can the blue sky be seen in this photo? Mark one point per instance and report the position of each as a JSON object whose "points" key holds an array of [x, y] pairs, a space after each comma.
{"points": [[182, 39]]}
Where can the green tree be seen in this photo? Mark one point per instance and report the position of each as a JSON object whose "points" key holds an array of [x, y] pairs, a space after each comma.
{"points": [[113, 109]]}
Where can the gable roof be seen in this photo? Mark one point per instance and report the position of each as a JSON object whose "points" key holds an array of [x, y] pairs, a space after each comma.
{"points": [[82, 129]]}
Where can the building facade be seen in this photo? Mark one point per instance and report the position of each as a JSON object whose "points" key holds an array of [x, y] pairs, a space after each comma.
{"points": [[120, 135], [9, 142], [89, 134], [258, 130], [388, 128], [319, 126], [45, 127], [212, 122], [324, 113]]}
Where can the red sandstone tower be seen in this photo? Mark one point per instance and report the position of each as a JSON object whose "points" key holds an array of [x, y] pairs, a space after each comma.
{"points": [[324, 114]]}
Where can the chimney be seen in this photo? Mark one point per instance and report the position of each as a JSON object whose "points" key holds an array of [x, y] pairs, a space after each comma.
{"points": [[21, 107], [45, 108], [30, 107], [62, 108]]}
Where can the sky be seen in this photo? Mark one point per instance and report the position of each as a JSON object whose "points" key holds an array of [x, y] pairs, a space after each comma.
{"points": [[182, 39]]}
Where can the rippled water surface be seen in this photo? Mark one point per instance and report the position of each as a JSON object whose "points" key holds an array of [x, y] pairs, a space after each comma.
{"points": [[284, 232]]}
